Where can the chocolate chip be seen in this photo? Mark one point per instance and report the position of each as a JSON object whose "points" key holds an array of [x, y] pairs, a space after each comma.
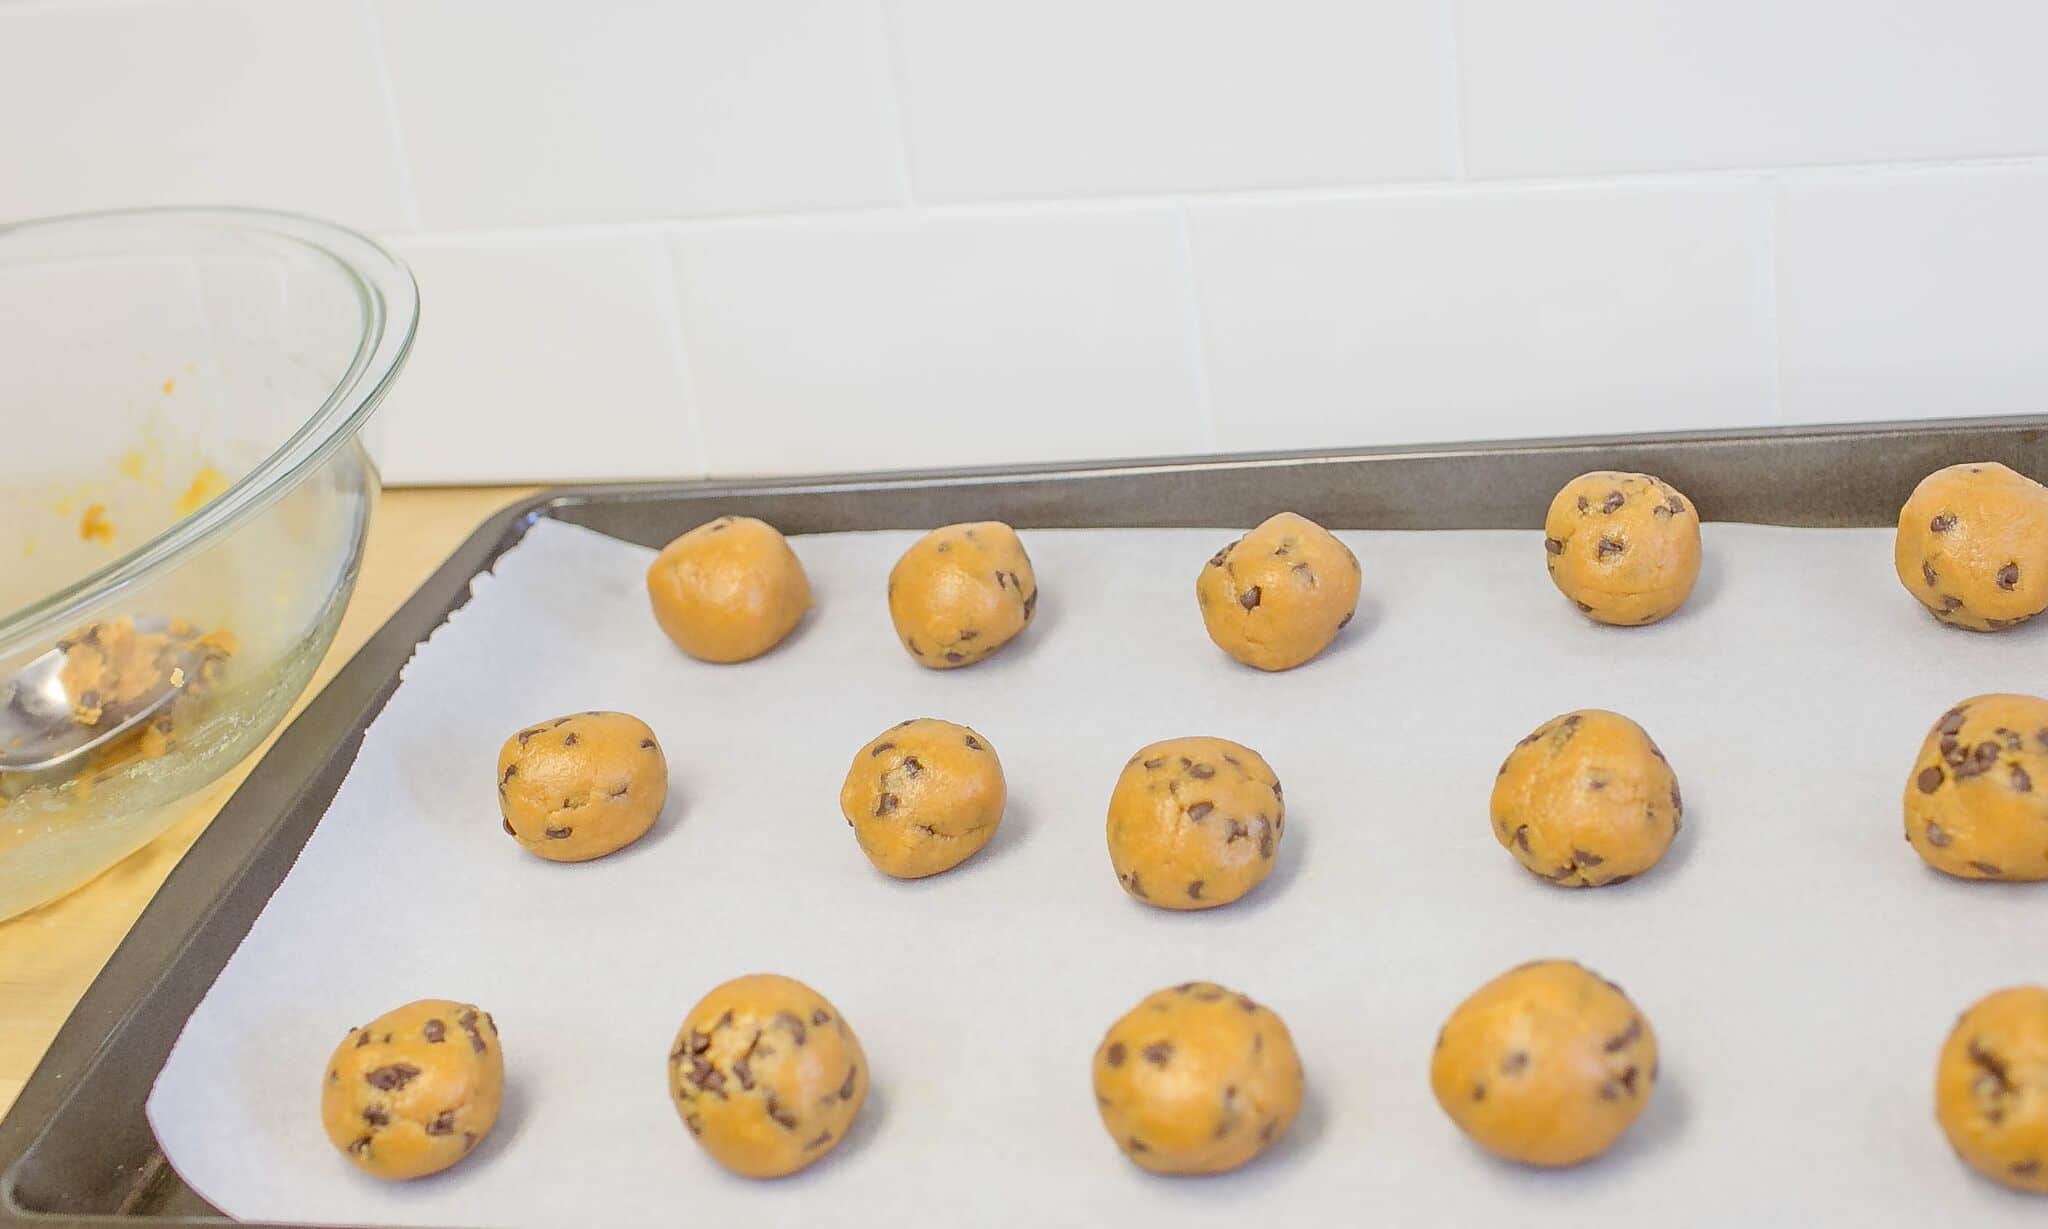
{"points": [[1927, 574], [1136, 889], [1030, 605], [1302, 569], [1154, 763], [973, 743], [1988, 868], [1159, 1053], [1612, 504], [1346, 620], [1676, 505], [1943, 522], [377, 1116], [2041, 736], [362, 1039], [1553, 546], [511, 770], [2021, 782], [1586, 859], [1195, 889], [795, 1027], [910, 643], [443, 1123], [1980, 762], [1617, 881], [743, 1071], [911, 766], [1479, 1090], [1999, 625], [393, 1077], [2008, 576], [1584, 608], [570, 740], [1201, 772], [1115, 1054], [1937, 836], [1135, 1145], [360, 1146], [468, 1023], [1584, 503], [819, 1018], [558, 834], [647, 744], [1930, 779], [846, 1088], [1265, 841], [1522, 837], [1249, 599], [2025, 1169], [885, 804], [1515, 1062], [1950, 602], [955, 657], [1237, 832], [970, 633], [878, 748], [1200, 809], [1626, 1037], [823, 1138], [782, 1117], [469, 1139], [1610, 546]]}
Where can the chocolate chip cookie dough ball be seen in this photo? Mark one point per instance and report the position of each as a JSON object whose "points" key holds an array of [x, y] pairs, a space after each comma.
{"points": [[1586, 800], [728, 590], [961, 592], [1973, 546], [414, 1090], [1197, 1080], [1194, 823], [1977, 800], [1991, 1087], [923, 797], [1625, 548], [580, 787], [1546, 1064], [766, 1075], [1280, 594]]}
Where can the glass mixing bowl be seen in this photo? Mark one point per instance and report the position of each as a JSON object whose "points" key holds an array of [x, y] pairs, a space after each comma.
{"points": [[180, 396]]}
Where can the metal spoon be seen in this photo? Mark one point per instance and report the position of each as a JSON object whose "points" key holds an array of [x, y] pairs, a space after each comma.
{"points": [[36, 729]]}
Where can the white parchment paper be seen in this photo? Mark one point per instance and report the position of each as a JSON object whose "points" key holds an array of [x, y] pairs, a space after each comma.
{"points": [[1800, 965]]}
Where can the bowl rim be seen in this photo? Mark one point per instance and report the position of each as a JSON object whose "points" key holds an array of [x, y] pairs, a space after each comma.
{"points": [[389, 299]]}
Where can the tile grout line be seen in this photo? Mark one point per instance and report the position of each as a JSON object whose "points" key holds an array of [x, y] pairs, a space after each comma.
{"points": [[898, 63], [1027, 207], [669, 300], [1191, 288], [1456, 89], [1774, 317], [387, 87]]}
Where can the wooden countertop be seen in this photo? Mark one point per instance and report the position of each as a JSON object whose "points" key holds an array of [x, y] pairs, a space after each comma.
{"points": [[50, 955]]}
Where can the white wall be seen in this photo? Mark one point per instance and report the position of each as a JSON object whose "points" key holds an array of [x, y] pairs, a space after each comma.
{"points": [[746, 236]]}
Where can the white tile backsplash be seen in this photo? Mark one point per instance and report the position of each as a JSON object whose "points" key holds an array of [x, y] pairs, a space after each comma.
{"points": [[1486, 314], [809, 235], [1565, 87], [242, 102], [535, 111], [1913, 295], [540, 360], [1086, 97], [894, 344]]}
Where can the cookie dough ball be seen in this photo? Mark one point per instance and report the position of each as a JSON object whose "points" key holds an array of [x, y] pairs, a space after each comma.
{"points": [[414, 1090], [1625, 548], [1977, 800], [766, 1075], [1547, 1064], [580, 787], [961, 592], [1197, 1080], [1280, 594], [1973, 546], [1991, 1087], [1194, 823], [729, 590], [923, 796], [1586, 800]]}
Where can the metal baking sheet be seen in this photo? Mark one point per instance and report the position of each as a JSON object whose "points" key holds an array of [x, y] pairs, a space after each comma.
{"points": [[75, 1150]]}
